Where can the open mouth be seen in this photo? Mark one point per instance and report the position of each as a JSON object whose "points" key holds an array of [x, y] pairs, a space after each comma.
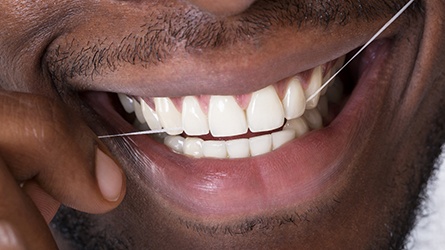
{"points": [[232, 154], [240, 126]]}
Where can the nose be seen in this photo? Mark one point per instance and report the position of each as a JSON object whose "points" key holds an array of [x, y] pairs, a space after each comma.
{"points": [[223, 7]]}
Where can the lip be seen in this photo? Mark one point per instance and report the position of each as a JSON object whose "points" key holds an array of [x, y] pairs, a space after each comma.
{"points": [[192, 71], [298, 173]]}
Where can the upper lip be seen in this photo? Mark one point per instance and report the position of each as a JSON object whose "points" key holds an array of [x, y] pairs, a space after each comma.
{"points": [[197, 72]]}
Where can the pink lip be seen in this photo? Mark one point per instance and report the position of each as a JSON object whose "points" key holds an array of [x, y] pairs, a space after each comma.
{"points": [[297, 173]]}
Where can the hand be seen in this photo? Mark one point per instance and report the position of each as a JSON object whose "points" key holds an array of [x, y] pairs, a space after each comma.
{"points": [[48, 157]]}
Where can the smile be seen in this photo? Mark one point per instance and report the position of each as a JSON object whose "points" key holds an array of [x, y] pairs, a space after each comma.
{"points": [[261, 121], [246, 153]]}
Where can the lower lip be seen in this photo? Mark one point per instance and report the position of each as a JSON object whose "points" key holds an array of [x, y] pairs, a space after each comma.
{"points": [[297, 173]]}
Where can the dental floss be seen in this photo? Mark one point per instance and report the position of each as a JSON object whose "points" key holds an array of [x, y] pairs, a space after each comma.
{"points": [[379, 32], [144, 132]]}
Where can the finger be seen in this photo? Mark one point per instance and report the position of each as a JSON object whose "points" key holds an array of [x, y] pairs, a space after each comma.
{"points": [[21, 225], [41, 141], [46, 204]]}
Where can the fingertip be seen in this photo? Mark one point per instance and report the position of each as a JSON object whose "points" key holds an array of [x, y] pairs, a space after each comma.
{"points": [[110, 177]]}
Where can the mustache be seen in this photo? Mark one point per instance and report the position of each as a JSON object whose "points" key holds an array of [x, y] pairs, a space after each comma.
{"points": [[165, 31]]}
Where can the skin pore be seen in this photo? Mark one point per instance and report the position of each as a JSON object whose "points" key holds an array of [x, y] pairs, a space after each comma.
{"points": [[354, 184]]}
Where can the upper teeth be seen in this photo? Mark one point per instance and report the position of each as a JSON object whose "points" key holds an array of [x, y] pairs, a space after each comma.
{"points": [[224, 117]]}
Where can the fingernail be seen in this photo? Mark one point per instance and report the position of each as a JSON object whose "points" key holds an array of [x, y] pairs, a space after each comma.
{"points": [[109, 176]]}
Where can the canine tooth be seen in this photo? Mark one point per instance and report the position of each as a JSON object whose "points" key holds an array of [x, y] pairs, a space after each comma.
{"points": [[282, 137], [313, 118], [127, 103], [138, 111], [238, 148], [150, 116], [260, 144], [169, 116], [193, 147], [226, 118], [215, 149], [194, 121], [175, 143], [265, 110], [298, 125], [294, 101], [314, 84]]}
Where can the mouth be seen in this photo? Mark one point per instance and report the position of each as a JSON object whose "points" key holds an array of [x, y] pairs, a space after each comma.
{"points": [[240, 126], [255, 152]]}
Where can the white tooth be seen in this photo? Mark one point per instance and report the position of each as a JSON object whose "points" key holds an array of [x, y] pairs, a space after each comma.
{"points": [[193, 147], [323, 106], [215, 149], [260, 144], [294, 101], [282, 137], [298, 125], [265, 111], [313, 118], [150, 116], [335, 92], [127, 103], [226, 118], [175, 143], [138, 111], [314, 85], [238, 148], [194, 121], [169, 116]]}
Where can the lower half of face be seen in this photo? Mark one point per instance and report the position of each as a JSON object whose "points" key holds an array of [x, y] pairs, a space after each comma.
{"points": [[251, 155]]}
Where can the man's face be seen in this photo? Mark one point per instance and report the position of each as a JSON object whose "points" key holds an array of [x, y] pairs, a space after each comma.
{"points": [[250, 169]]}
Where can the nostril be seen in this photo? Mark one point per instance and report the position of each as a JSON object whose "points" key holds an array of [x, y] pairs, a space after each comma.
{"points": [[223, 7]]}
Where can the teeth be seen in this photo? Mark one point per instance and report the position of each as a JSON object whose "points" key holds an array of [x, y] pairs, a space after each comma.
{"points": [[169, 116], [138, 111], [282, 137], [194, 121], [298, 125], [313, 118], [314, 85], [238, 148], [214, 149], [150, 116], [127, 103], [265, 111], [226, 118], [193, 147], [175, 143], [294, 101], [260, 145]]}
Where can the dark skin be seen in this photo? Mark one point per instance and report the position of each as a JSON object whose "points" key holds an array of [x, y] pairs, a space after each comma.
{"points": [[56, 55]]}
